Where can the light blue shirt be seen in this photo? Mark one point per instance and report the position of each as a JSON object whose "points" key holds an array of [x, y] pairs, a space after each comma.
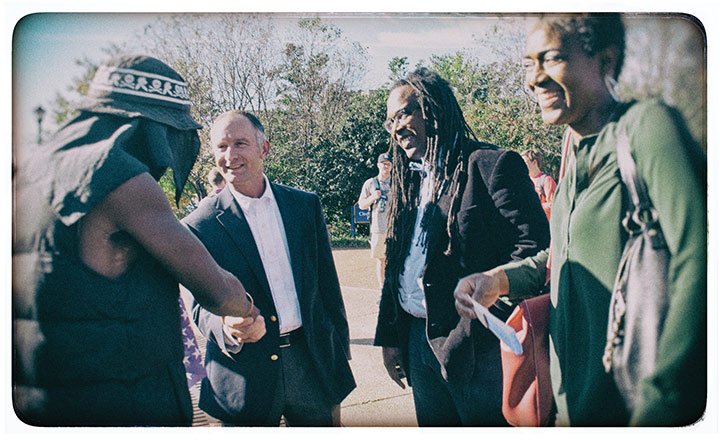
{"points": [[412, 294]]}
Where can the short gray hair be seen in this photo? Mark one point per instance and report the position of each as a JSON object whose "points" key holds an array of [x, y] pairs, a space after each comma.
{"points": [[259, 129]]}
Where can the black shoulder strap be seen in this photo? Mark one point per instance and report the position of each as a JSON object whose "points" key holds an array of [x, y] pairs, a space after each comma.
{"points": [[633, 183], [642, 212]]}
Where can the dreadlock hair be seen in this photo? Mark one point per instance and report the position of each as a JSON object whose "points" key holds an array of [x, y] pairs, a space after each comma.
{"points": [[447, 133]]}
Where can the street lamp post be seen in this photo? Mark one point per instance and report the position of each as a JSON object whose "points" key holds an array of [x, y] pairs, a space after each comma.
{"points": [[40, 113]]}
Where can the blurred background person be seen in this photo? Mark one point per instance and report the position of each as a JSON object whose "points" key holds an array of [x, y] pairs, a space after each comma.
{"points": [[217, 181], [544, 183], [374, 194]]}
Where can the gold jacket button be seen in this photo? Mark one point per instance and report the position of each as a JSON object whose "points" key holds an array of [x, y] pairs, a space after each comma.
{"points": [[274, 357], [273, 318]]}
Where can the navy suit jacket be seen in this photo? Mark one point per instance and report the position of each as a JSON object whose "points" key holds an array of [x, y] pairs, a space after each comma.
{"points": [[240, 389], [500, 219]]}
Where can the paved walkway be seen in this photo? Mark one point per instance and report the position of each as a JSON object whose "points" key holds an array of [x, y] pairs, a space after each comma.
{"points": [[377, 400]]}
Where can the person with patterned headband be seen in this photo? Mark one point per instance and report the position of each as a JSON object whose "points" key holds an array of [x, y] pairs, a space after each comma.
{"points": [[98, 254]]}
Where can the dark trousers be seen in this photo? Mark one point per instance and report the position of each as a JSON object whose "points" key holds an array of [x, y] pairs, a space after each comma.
{"points": [[298, 396], [442, 403]]}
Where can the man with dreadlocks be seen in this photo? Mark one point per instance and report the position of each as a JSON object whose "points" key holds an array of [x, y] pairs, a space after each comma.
{"points": [[456, 206]]}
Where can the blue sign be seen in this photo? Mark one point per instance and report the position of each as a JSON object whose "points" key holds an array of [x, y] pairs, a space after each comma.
{"points": [[358, 216], [361, 215]]}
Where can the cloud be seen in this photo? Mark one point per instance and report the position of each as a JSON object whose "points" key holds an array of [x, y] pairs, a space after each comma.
{"points": [[437, 33]]}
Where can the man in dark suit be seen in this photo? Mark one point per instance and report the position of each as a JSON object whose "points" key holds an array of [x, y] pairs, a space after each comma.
{"points": [[456, 205], [274, 239]]}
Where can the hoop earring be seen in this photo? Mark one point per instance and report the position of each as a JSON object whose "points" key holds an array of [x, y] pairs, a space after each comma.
{"points": [[612, 86]]}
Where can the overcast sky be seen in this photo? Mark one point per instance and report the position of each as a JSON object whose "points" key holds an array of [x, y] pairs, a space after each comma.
{"points": [[45, 46]]}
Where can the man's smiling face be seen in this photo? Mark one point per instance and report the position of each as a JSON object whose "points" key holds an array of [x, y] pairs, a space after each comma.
{"points": [[237, 152], [406, 126]]}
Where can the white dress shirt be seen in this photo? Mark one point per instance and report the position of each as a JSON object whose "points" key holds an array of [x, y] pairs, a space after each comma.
{"points": [[265, 222]]}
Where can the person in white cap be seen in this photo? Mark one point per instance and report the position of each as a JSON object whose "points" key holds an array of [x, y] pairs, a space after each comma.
{"points": [[98, 254], [374, 194]]}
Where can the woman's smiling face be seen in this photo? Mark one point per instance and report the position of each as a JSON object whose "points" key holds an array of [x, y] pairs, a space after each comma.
{"points": [[567, 83]]}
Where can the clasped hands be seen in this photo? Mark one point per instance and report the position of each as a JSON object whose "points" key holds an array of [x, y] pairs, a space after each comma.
{"points": [[248, 329]]}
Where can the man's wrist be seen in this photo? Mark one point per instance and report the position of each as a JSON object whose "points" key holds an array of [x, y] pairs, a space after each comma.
{"points": [[252, 303]]}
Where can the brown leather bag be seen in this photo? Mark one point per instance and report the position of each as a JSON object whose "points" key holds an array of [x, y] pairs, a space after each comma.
{"points": [[527, 393]]}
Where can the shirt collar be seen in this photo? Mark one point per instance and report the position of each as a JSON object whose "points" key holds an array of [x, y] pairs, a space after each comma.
{"points": [[416, 166], [246, 202]]}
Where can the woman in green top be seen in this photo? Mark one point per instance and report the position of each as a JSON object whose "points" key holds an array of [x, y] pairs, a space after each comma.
{"points": [[571, 63]]}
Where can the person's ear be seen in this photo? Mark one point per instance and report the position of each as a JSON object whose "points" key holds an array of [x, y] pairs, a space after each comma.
{"points": [[265, 147]]}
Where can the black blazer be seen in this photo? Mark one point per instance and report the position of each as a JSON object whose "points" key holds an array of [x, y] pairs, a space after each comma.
{"points": [[500, 219], [241, 389]]}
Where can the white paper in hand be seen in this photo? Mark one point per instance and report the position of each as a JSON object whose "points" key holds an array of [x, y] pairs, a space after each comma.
{"points": [[503, 331]]}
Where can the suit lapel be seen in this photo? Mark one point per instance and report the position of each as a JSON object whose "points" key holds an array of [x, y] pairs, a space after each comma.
{"points": [[289, 211], [233, 220]]}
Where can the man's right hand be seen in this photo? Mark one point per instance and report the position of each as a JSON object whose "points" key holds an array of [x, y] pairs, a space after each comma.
{"points": [[248, 329], [394, 365]]}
